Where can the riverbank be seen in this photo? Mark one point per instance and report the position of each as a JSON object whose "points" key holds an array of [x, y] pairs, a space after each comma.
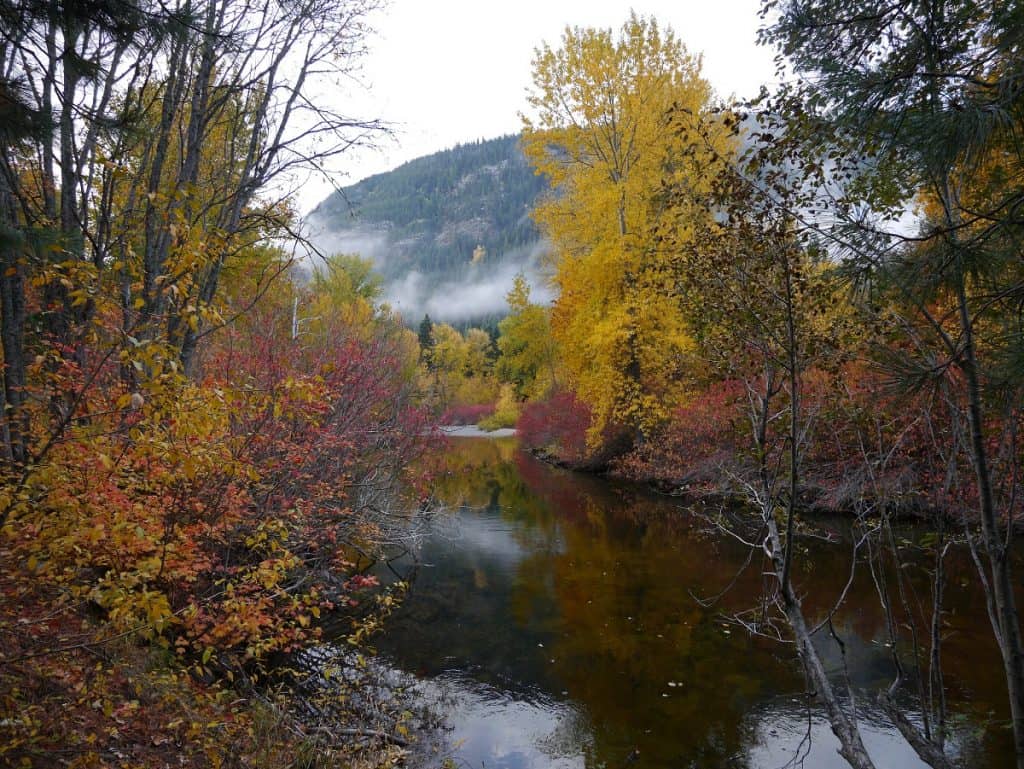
{"points": [[76, 691], [723, 484], [130, 704]]}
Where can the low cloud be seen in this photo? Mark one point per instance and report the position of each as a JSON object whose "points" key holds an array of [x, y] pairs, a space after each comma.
{"points": [[369, 242], [472, 297], [414, 293]]}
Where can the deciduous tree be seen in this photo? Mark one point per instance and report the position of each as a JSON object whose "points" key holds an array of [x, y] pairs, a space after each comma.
{"points": [[599, 131], [528, 355]]}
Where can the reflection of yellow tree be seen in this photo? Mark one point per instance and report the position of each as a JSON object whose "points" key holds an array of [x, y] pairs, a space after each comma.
{"points": [[606, 584], [627, 624], [629, 629], [471, 470]]}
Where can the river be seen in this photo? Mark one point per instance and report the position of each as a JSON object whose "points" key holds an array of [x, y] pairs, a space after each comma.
{"points": [[554, 619]]}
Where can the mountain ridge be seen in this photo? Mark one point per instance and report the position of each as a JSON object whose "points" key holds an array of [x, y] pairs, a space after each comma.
{"points": [[447, 231]]}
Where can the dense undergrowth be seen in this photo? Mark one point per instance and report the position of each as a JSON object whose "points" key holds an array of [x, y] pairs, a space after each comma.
{"points": [[868, 447], [204, 433], [184, 536]]}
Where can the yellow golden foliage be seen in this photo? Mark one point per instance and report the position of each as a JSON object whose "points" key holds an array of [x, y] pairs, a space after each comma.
{"points": [[602, 134]]}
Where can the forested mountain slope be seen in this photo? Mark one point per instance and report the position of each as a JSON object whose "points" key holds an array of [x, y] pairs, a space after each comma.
{"points": [[447, 231]]}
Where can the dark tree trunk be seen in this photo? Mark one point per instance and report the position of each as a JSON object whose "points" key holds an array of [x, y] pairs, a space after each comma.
{"points": [[12, 333], [1005, 617]]}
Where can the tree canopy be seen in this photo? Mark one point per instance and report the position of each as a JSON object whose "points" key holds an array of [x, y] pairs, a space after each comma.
{"points": [[599, 130]]}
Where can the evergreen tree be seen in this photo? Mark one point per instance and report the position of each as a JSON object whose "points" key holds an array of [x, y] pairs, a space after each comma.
{"points": [[929, 97], [426, 335]]}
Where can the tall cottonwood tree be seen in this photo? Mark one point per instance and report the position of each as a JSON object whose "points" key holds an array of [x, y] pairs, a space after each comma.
{"points": [[256, 115], [930, 95], [599, 132]]}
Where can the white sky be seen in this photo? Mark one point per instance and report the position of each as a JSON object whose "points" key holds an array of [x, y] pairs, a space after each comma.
{"points": [[444, 72]]}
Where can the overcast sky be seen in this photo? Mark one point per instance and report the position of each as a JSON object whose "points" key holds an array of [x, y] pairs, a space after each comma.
{"points": [[449, 71]]}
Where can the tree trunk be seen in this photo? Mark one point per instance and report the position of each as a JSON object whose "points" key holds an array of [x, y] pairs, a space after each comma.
{"points": [[851, 747], [844, 725], [1007, 624], [12, 333]]}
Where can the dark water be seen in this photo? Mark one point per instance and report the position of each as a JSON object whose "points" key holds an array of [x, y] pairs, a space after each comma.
{"points": [[555, 616]]}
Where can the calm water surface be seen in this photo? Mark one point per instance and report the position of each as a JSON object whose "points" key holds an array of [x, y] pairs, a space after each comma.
{"points": [[554, 617]]}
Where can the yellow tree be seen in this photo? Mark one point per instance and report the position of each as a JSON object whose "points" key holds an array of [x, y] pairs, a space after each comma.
{"points": [[447, 362], [478, 353], [477, 384], [527, 351], [600, 133], [344, 288]]}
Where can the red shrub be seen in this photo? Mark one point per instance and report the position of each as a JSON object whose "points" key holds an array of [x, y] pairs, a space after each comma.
{"points": [[558, 425], [871, 443], [695, 444]]}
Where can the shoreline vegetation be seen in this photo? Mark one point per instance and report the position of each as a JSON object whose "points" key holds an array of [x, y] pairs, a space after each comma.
{"points": [[711, 485], [694, 490]]}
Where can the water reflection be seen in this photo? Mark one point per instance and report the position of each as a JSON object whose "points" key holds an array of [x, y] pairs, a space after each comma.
{"points": [[557, 613]]}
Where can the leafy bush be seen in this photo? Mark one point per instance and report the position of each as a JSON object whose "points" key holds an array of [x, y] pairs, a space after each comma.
{"points": [[506, 410], [694, 445], [558, 425], [212, 518]]}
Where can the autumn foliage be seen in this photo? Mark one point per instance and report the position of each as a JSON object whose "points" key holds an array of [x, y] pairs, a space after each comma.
{"points": [[696, 448], [558, 424], [213, 518]]}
